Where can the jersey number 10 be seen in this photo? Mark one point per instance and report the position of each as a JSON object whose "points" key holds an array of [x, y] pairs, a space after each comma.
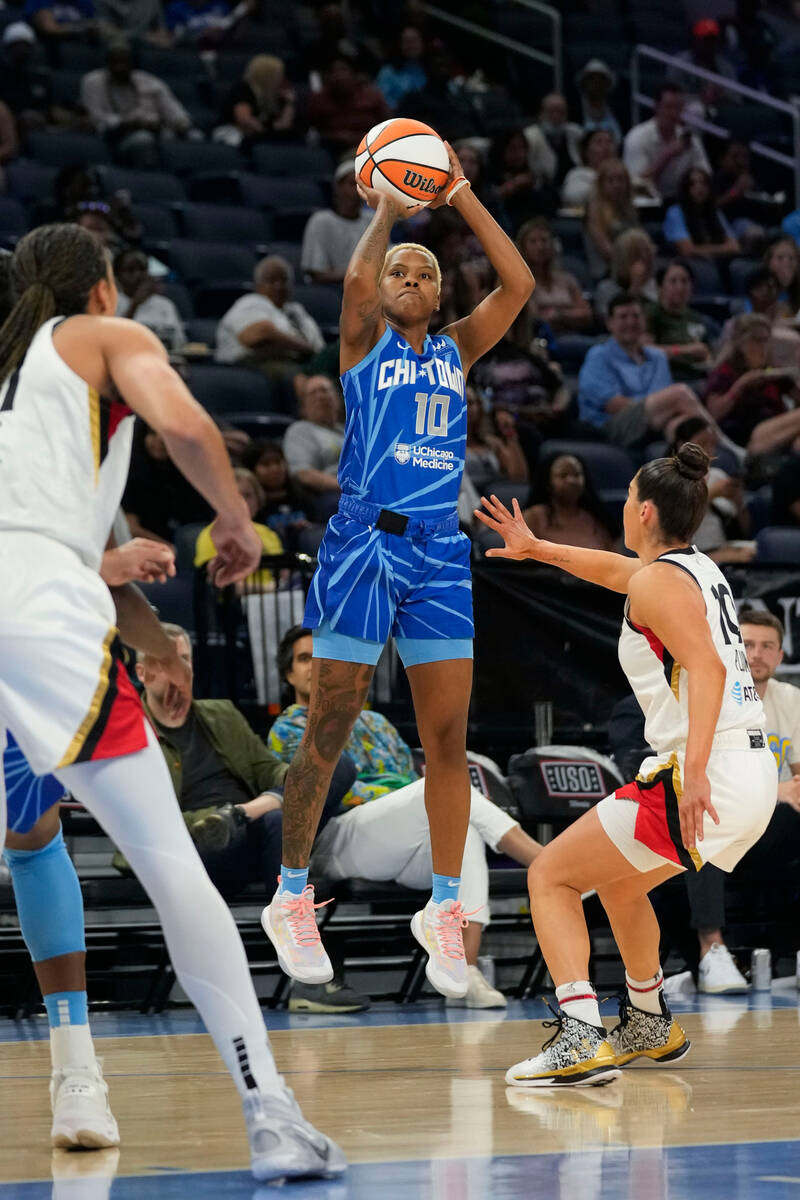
{"points": [[728, 623], [431, 410]]}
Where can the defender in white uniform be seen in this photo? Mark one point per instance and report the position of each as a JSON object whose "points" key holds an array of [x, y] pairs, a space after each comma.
{"points": [[706, 795], [65, 435]]}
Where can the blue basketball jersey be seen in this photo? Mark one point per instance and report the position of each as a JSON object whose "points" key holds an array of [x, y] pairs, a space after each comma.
{"points": [[406, 430]]}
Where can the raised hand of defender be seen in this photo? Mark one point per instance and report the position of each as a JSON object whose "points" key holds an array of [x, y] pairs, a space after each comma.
{"points": [[519, 541], [238, 548]]}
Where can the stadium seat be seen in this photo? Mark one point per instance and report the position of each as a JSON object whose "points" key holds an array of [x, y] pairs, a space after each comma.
{"points": [[214, 299], [158, 222], [778, 543], [569, 231], [194, 157], [65, 87], [293, 162], [13, 220], [211, 262], [203, 330], [610, 468], [261, 425], [323, 301], [572, 350], [576, 264], [180, 297], [79, 55], [216, 187], [291, 251], [153, 187], [170, 63], [220, 222], [275, 194], [226, 389], [29, 180], [738, 271], [706, 277], [61, 149]]}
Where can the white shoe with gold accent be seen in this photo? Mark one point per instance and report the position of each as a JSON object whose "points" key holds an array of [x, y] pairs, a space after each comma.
{"points": [[577, 1055]]}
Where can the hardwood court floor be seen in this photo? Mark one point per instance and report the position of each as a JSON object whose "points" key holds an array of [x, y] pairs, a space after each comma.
{"points": [[424, 1109]]}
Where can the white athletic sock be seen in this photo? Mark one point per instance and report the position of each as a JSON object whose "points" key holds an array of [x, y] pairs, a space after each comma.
{"points": [[133, 799], [71, 1046], [645, 994], [579, 1000]]}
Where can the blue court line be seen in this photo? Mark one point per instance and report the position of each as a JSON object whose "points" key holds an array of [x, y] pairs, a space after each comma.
{"points": [[739, 1171], [381, 1015]]}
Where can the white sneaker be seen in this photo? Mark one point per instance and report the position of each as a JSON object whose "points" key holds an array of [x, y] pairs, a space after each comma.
{"points": [[283, 1144], [291, 926], [437, 928], [82, 1116], [480, 993], [718, 973]]}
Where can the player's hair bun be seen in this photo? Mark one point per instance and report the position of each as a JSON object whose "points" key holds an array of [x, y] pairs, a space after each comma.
{"points": [[691, 461]]}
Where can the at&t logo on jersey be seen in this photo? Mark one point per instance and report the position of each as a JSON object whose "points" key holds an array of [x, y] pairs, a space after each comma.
{"points": [[429, 457]]}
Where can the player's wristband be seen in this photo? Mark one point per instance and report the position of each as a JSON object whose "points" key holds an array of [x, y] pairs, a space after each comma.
{"points": [[455, 188]]}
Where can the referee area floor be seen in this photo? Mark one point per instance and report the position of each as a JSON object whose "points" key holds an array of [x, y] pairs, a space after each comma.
{"points": [[416, 1097]]}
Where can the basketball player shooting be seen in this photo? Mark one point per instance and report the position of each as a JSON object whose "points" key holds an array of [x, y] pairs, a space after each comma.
{"points": [[393, 561], [73, 375]]}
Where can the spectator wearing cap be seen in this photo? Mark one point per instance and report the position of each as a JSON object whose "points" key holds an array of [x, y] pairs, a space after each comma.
{"points": [[23, 88], [704, 53], [132, 108], [266, 329], [595, 82], [659, 152], [332, 234]]}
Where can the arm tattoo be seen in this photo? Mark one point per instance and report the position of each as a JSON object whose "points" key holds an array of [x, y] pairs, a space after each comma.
{"points": [[337, 702], [372, 247]]}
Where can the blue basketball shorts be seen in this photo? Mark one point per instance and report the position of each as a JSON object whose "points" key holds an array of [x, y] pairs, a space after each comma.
{"points": [[370, 585], [27, 795]]}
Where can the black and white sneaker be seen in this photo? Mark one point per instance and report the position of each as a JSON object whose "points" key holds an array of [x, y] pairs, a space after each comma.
{"points": [[577, 1055], [641, 1034], [332, 997]]}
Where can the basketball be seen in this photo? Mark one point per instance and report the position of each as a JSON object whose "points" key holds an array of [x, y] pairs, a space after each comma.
{"points": [[404, 159]]}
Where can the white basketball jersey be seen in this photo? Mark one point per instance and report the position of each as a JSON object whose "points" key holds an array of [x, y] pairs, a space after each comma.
{"points": [[64, 452], [661, 685]]}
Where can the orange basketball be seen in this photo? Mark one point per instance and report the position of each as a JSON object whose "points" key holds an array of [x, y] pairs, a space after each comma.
{"points": [[405, 159]]}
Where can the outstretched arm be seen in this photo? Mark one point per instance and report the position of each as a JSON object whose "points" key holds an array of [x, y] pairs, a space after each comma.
{"points": [[612, 571], [495, 315], [361, 323]]}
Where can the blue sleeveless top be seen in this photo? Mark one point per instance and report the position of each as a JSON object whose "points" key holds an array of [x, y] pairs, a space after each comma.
{"points": [[406, 430]]}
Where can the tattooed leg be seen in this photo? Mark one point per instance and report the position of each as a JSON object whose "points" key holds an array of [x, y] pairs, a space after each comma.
{"points": [[338, 694]]}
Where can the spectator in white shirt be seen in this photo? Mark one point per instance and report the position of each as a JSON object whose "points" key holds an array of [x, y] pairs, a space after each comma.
{"points": [[312, 445], [132, 108], [332, 234], [266, 329], [659, 152], [138, 297]]}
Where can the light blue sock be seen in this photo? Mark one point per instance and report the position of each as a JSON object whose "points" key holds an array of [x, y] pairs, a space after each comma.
{"points": [[67, 1008], [445, 887], [293, 879]]}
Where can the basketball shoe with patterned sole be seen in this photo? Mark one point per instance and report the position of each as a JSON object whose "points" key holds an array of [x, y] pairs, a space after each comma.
{"points": [[577, 1055], [639, 1034]]}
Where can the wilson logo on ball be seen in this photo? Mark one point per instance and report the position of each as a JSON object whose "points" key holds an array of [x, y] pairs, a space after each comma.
{"points": [[404, 159]]}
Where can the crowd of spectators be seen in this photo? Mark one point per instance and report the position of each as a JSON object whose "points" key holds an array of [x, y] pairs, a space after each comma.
{"points": [[653, 245]]}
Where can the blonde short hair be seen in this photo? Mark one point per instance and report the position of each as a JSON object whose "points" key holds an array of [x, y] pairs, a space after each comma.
{"points": [[431, 257]]}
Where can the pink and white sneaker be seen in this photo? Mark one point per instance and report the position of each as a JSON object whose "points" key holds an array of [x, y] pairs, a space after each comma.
{"points": [[437, 928], [290, 924]]}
